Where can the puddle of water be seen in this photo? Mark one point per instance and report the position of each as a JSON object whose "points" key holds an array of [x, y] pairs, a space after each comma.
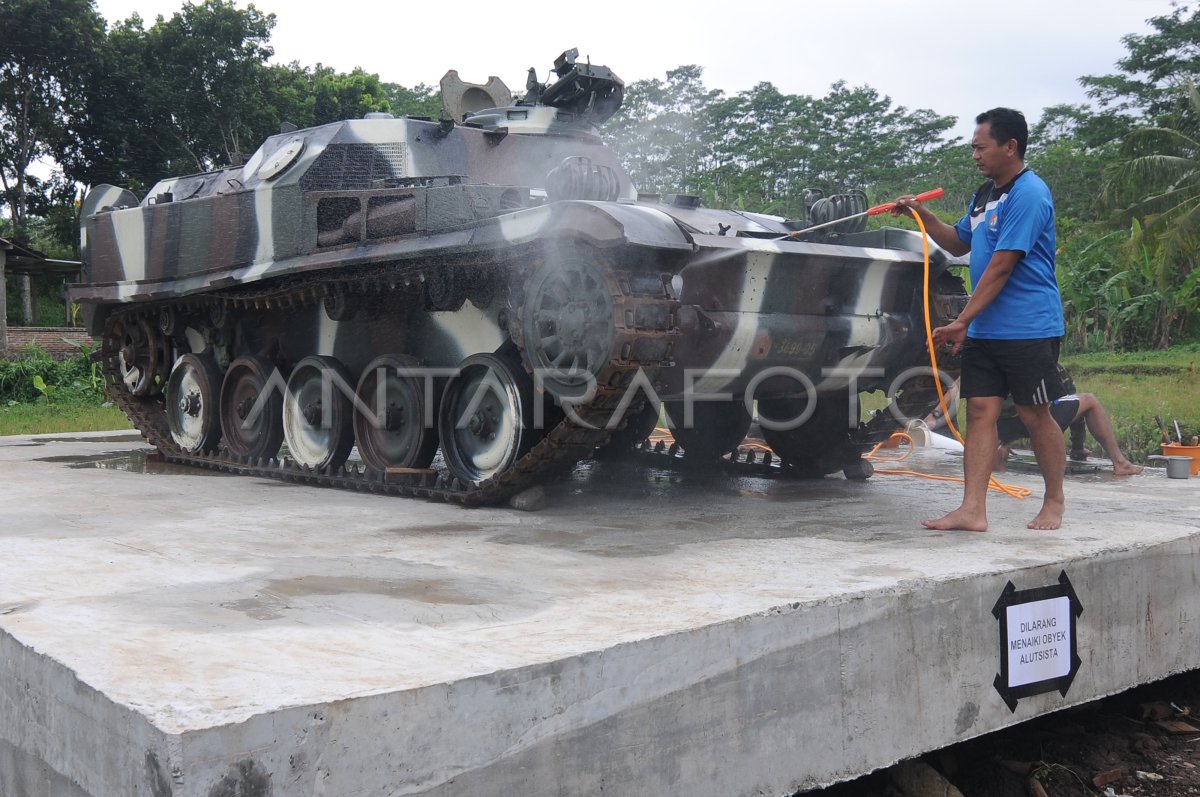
{"points": [[117, 437], [138, 461], [272, 603]]}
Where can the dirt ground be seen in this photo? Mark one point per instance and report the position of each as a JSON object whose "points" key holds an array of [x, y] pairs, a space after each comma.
{"points": [[1141, 743]]}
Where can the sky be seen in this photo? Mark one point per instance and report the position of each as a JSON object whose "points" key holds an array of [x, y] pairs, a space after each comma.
{"points": [[949, 56]]}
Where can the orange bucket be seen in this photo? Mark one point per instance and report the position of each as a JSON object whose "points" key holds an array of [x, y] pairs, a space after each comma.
{"points": [[1177, 450]]}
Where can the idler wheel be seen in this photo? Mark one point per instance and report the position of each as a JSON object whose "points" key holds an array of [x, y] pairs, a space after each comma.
{"points": [[390, 424], [251, 409], [716, 429], [567, 320], [486, 418], [144, 356], [318, 413], [192, 403]]}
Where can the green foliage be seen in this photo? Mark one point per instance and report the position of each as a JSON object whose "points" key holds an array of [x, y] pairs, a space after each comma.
{"points": [[1115, 294], [1156, 184], [420, 100], [190, 92], [194, 92], [1135, 386], [34, 374], [66, 413], [761, 148], [1157, 65], [660, 130], [46, 48], [308, 97], [1074, 173]]}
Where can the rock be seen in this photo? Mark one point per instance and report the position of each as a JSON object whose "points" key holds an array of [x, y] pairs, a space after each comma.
{"points": [[530, 500], [915, 778], [1102, 779]]}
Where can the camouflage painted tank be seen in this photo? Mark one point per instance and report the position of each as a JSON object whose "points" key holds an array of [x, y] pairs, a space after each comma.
{"points": [[491, 287]]}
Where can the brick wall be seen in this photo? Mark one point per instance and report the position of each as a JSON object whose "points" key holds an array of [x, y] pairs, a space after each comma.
{"points": [[50, 339]]}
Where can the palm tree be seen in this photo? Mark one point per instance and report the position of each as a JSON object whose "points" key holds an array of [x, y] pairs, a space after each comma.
{"points": [[1156, 183]]}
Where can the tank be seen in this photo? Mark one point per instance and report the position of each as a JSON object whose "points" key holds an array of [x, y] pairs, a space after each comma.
{"points": [[478, 302]]}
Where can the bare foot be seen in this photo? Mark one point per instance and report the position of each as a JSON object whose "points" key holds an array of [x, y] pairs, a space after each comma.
{"points": [[1049, 518], [1126, 468], [958, 519]]}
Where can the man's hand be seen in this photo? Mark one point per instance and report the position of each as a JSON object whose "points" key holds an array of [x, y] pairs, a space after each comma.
{"points": [[942, 233], [950, 336], [905, 205]]}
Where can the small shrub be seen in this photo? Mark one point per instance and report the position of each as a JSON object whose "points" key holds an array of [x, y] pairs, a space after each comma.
{"points": [[33, 374]]}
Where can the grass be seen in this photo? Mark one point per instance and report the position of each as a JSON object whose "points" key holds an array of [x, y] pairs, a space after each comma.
{"points": [[1132, 401], [1134, 387], [54, 417], [1182, 360]]}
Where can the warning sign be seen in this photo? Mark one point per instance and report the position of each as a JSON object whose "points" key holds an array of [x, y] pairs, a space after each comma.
{"points": [[1039, 641], [1037, 638]]}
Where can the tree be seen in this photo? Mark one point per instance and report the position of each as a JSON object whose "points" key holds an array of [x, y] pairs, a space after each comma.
{"points": [[762, 148], [1157, 184], [420, 100], [1147, 88], [1157, 67], [662, 131], [208, 83], [188, 94], [44, 51], [309, 97]]}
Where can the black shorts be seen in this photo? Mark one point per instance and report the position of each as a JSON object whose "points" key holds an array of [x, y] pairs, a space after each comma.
{"points": [[1025, 369], [1009, 427]]}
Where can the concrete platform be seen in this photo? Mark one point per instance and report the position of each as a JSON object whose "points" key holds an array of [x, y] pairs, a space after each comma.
{"points": [[194, 635]]}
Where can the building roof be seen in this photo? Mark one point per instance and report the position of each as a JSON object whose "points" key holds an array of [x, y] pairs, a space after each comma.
{"points": [[22, 260]]}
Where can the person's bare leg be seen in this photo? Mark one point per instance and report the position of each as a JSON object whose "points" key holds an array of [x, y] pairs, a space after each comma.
{"points": [[1100, 425], [1000, 463], [1077, 452], [982, 441], [1051, 452]]}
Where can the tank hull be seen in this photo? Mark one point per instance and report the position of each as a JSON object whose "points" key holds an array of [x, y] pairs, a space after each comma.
{"points": [[496, 293]]}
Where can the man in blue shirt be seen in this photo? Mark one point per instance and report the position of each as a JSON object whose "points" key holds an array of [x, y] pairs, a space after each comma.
{"points": [[1009, 331]]}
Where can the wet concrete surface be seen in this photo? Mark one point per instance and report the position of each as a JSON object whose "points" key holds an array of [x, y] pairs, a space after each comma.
{"points": [[208, 607]]}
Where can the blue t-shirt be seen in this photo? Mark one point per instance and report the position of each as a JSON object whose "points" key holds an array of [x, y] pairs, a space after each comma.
{"points": [[1018, 216]]}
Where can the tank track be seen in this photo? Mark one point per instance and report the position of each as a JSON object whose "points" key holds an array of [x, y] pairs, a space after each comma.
{"points": [[555, 454], [741, 462]]}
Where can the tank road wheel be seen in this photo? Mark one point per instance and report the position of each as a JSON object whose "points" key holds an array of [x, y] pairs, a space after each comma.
{"points": [[567, 321], [251, 409], [145, 357], [818, 446], [318, 413], [192, 403], [486, 417], [392, 433], [717, 428]]}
